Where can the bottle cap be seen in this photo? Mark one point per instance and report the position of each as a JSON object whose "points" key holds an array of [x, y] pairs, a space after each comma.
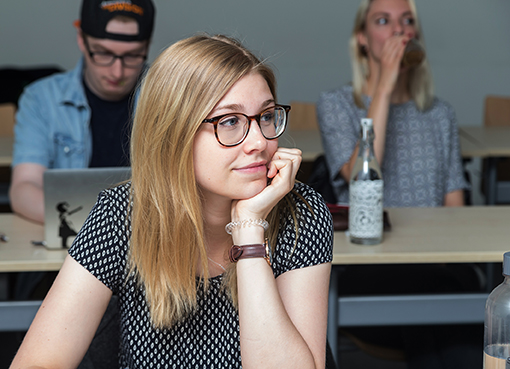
{"points": [[506, 263], [366, 123]]}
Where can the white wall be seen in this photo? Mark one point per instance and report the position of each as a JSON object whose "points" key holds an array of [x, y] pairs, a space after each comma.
{"points": [[468, 41]]}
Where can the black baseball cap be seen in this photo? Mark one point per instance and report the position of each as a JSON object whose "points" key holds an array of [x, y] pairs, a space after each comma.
{"points": [[95, 15]]}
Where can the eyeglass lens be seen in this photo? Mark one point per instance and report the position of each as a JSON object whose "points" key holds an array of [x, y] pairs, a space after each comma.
{"points": [[106, 59], [232, 129]]}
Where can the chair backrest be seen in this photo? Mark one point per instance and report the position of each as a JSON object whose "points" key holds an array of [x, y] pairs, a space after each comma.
{"points": [[497, 111], [319, 180], [7, 112], [303, 116], [15, 79]]}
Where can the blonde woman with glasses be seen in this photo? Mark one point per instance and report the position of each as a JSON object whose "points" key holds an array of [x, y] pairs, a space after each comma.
{"points": [[219, 258]]}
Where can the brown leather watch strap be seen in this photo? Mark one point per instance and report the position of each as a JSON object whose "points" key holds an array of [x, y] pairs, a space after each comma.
{"points": [[247, 251]]}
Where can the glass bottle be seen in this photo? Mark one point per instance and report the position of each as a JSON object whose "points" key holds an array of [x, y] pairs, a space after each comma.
{"points": [[366, 192], [414, 54], [496, 352]]}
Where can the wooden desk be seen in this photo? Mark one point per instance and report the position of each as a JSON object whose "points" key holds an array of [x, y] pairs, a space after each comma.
{"points": [[6, 145], [18, 254], [471, 234], [420, 235], [494, 142]]}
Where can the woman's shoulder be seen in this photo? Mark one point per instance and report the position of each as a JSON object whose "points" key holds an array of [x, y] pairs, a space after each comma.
{"points": [[441, 110], [102, 244], [336, 103], [344, 92], [115, 195], [440, 104], [111, 207], [303, 191], [306, 237], [310, 203]]}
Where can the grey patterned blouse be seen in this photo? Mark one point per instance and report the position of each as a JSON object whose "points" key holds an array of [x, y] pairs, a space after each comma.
{"points": [[422, 159]]}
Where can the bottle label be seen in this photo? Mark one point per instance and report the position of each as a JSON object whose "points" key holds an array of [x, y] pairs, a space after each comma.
{"points": [[366, 209]]}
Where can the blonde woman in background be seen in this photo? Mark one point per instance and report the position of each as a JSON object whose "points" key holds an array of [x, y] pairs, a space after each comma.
{"points": [[416, 137], [204, 155], [416, 143]]}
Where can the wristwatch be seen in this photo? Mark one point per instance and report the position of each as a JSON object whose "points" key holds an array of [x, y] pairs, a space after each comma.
{"points": [[259, 250]]}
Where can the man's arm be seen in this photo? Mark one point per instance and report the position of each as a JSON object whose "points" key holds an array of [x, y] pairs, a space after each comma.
{"points": [[26, 192]]}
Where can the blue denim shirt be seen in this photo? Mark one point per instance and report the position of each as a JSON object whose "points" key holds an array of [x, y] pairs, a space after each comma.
{"points": [[52, 122]]}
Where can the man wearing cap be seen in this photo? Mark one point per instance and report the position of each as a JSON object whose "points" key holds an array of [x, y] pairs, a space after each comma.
{"points": [[81, 118]]}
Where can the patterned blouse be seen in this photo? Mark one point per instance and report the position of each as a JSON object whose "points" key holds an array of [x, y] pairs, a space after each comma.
{"points": [[422, 160], [209, 337]]}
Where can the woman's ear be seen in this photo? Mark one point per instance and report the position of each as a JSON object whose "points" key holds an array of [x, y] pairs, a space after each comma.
{"points": [[362, 40]]}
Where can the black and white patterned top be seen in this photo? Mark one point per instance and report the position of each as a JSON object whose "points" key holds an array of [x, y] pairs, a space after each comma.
{"points": [[422, 160], [208, 338]]}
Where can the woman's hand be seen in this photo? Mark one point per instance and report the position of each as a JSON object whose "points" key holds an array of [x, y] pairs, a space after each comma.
{"points": [[282, 171], [391, 59]]}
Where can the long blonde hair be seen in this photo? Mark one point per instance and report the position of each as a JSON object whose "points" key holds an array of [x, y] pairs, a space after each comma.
{"points": [[178, 92], [420, 79]]}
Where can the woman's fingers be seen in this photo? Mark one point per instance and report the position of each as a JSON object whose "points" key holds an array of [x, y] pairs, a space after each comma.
{"points": [[393, 51], [391, 59], [282, 172], [285, 159]]}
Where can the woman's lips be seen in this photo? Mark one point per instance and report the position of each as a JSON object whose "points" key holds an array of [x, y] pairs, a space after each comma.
{"points": [[253, 168]]}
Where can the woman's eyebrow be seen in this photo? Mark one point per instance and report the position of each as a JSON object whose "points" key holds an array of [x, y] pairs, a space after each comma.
{"points": [[238, 108], [386, 14], [378, 14], [232, 107], [268, 102]]}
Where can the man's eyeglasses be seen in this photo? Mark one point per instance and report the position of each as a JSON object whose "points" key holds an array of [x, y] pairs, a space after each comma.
{"points": [[105, 59], [231, 129]]}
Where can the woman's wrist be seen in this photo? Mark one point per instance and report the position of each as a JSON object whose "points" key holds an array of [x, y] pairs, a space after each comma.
{"points": [[248, 235], [230, 227], [383, 90]]}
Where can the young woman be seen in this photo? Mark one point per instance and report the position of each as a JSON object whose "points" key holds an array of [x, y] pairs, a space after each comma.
{"points": [[207, 174], [416, 144], [416, 139]]}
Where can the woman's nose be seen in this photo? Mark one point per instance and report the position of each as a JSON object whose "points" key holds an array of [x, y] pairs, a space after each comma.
{"points": [[398, 29], [255, 139]]}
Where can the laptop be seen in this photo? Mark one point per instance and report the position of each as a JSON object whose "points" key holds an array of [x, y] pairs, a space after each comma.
{"points": [[69, 195]]}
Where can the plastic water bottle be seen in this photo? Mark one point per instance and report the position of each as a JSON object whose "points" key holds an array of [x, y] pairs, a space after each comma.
{"points": [[366, 192], [496, 352]]}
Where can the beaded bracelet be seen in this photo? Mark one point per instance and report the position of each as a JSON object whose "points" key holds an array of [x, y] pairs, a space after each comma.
{"points": [[247, 223]]}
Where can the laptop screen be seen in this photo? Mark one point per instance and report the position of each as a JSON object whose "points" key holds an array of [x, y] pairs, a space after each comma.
{"points": [[69, 195]]}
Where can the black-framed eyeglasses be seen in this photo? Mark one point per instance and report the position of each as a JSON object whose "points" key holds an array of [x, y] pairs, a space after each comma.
{"points": [[231, 129], [105, 59]]}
